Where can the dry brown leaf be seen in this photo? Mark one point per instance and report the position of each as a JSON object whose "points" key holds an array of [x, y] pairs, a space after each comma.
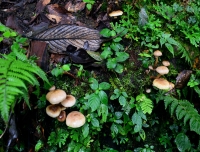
{"points": [[61, 36], [79, 6], [41, 5]]}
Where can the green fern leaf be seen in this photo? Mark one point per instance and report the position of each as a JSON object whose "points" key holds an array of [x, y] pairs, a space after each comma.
{"points": [[179, 110], [16, 82], [194, 124], [173, 106], [186, 118], [168, 100], [147, 106]]}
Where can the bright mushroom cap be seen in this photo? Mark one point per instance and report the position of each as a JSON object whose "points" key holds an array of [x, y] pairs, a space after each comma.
{"points": [[116, 13], [162, 70], [157, 53], [166, 63], [62, 116], [171, 85], [56, 96], [161, 83], [69, 101], [75, 119], [53, 110]]}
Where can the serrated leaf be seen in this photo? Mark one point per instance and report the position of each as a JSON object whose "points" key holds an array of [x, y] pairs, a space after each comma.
{"points": [[106, 53], [103, 97], [118, 115], [104, 86], [173, 106], [122, 101], [94, 102], [85, 130], [114, 128], [182, 142], [95, 122], [111, 63], [119, 68], [170, 48], [93, 83], [103, 110]]}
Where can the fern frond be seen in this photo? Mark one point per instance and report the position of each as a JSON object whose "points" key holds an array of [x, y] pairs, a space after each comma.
{"points": [[185, 53], [15, 74], [186, 111], [147, 106]]}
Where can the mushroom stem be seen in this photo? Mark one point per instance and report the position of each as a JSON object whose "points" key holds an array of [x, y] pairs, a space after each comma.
{"points": [[156, 62]]}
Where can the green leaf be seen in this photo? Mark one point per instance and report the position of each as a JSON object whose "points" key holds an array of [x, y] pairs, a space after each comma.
{"points": [[66, 67], [89, 6], [170, 48], [95, 55], [106, 53], [122, 101], [94, 101], [57, 71], [103, 97], [104, 86], [119, 68], [122, 56], [182, 142], [136, 119], [3, 28], [93, 83], [95, 122], [6, 34], [111, 63], [85, 130], [1, 38], [105, 32], [114, 128], [117, 39], [118, 115], [103, 110]]}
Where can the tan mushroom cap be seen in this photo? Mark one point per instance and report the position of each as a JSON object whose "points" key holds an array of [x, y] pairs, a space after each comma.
{"points": [[166, 63], [69, 101], [53, 110], [157, 53], [56, 96], [162, 70], [116, 13], [62, 116], [52, 88], [161, 83], [171, 85], [75, 119]]}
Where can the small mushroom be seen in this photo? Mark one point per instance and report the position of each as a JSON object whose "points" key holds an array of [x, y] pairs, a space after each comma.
{"points": [[56, 96], [162, 70], [161, 83], [148, 90], [62, 116], [157, 53], [115, 13], [52, 88], [53, 110], [166, 63], [171, 85], [75, 119], [69, 101]]}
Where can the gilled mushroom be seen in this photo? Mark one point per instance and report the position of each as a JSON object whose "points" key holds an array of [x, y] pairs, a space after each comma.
{"points": [[161, 83], [69, 101], [53, 110], [116, 13], [62, 116], [157, 53], [56, 96], [75, 119], [166, 63], [162, 70]]}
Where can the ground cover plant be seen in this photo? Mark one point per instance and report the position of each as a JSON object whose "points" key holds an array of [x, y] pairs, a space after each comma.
{"points": [[128, 102]]}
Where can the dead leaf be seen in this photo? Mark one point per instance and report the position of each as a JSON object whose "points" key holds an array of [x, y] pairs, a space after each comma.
{"points": [[61, 36], [79, 6], [59, 14], [41, 4]]}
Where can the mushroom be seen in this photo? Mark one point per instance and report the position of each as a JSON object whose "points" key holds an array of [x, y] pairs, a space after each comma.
{"points": [[56, 96], [69, 101], [52, 88], [161, 83], [166, 63], [171, 85], [62, 116], [148, 90], [162, 70], [116, 13], [75, 119], [157, 53], [53, 110]]}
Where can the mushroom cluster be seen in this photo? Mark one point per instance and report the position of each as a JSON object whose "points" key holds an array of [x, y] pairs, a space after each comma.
{"points": [[158, 82], [59, 101]]}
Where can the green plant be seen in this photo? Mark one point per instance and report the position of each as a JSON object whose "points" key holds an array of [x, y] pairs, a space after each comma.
{"points": [[113, 52], [17, 72], [89, 3]]}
